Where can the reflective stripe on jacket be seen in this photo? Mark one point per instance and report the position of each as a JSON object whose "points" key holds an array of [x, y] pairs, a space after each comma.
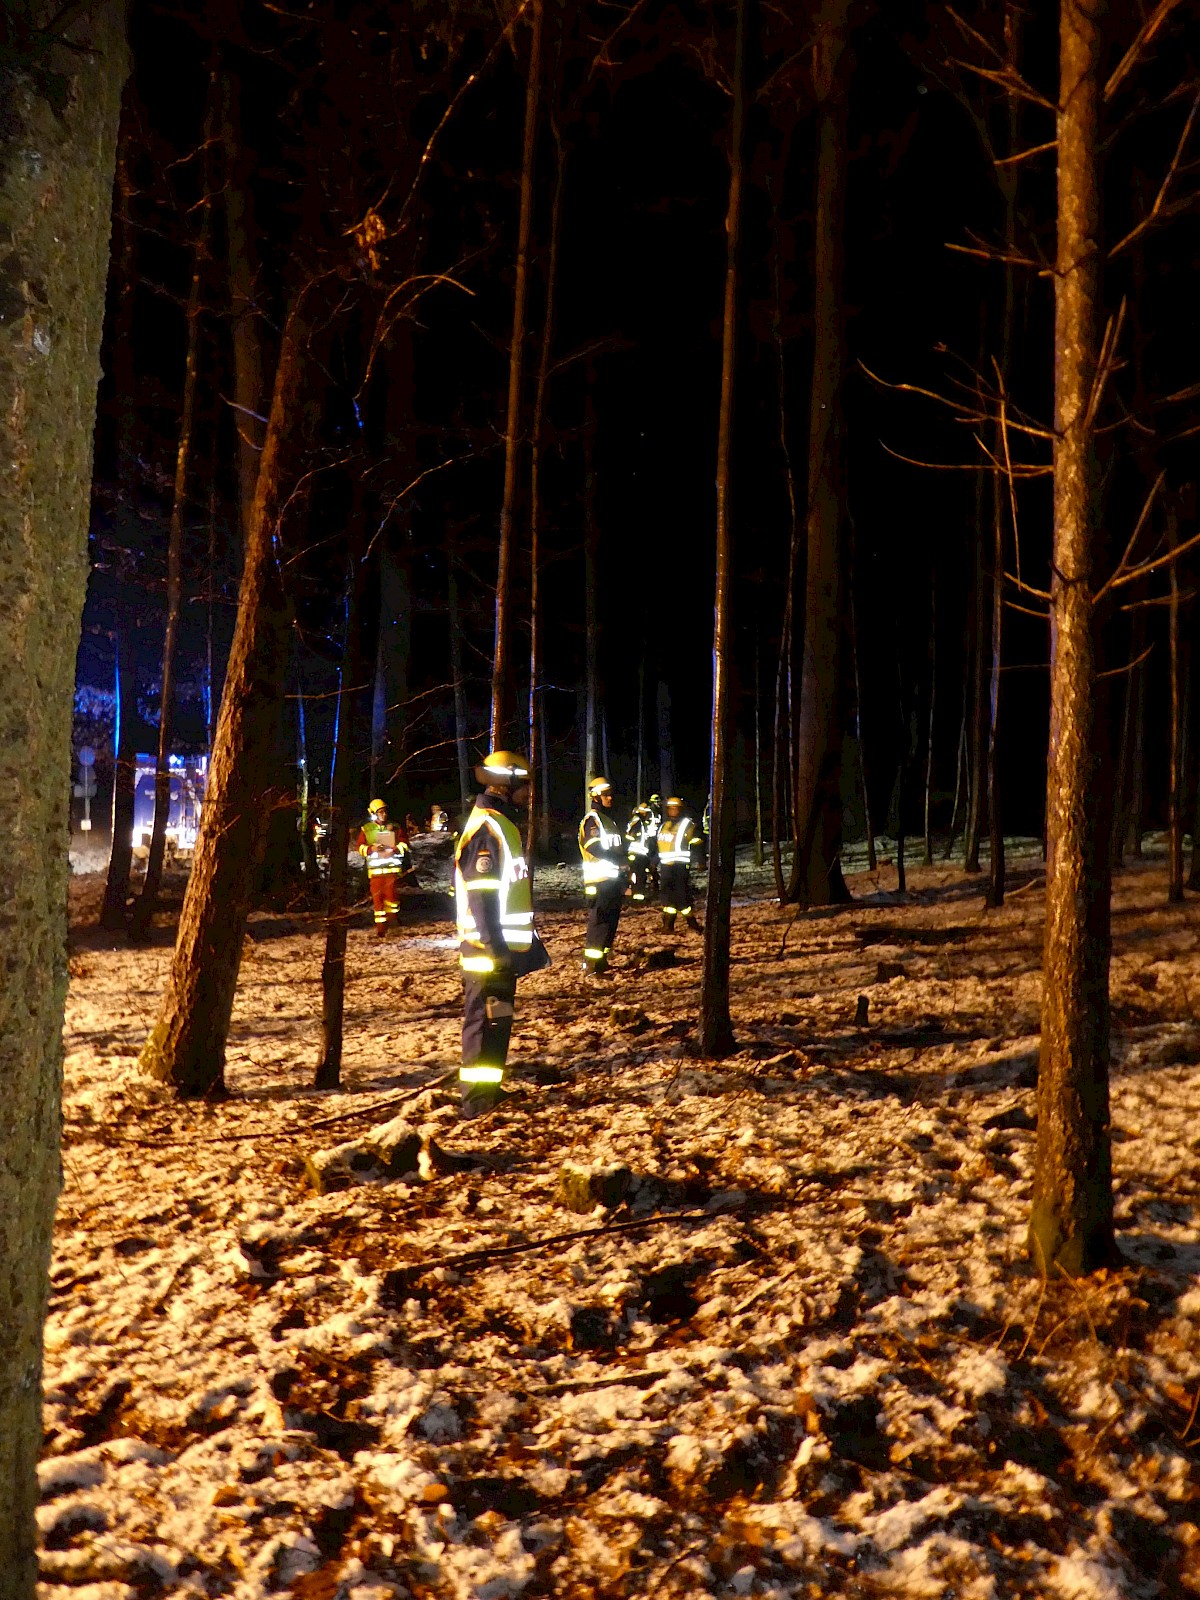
{"points": [[598, 848], [676, 838], [391, 860], [508, 880]]}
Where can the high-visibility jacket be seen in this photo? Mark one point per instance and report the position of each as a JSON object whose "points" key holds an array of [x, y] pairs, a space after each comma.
{"points": [[489, 860], [392, 859], [602, 847], [677, 837], [641, 834]]}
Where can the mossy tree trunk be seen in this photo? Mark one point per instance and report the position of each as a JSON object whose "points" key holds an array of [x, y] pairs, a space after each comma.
{"points": [[56, 180], [1071, 1225], [186, 1047]]}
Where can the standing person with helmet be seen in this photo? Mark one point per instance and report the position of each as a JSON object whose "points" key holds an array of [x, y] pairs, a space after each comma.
{"points": [[641, 833], [677, 838], [493, 896], [655, 823], [602, 847], [384, 847]]}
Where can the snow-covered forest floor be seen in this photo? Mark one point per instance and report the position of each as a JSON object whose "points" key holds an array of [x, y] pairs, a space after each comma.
{"points": [[803, 1356]]}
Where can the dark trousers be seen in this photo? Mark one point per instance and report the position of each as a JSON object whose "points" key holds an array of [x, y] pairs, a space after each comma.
{"points": [[604, 912], [675, 888], [487, 1018], [639, 877]]}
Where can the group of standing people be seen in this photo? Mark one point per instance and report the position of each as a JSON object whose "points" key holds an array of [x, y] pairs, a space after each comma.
{"points": [[493, 893]]}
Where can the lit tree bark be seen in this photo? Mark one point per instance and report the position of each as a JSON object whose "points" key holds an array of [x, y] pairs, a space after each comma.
{"points": [[816, 878], [782, 731], [54, 218], [120, 854], [715, 1033], [503, 691], [186, 1047], [1071, 1224], [143, 911], [872, 853], [932, 710], [249, 362], [536, 723]]}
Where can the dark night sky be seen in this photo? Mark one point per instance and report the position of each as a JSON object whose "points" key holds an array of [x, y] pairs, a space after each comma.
{"points": [[642, 260]]}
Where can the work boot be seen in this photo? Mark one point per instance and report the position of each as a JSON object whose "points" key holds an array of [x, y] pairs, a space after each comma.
{"points": [[694, 923], [480, 1098], [381, 930], [668, 922]]}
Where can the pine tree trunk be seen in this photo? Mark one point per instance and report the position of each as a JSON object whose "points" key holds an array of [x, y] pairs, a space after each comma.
{"points": [[503, 687], [932, 709], [666, 742], [1175, 764], [537, 424], [142, 915], [758, 808], [781, 751], [186, 1047], [454, 622], [715, 1033], [55, 215], [1071, 1224], [977, 750], [341, 788], [959, 762], [591, 607], [816, 878], [872, 853], [120, 857], [249, 360]]}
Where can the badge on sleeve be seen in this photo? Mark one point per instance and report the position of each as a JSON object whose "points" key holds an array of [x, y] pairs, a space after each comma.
{"points": [[483, 863]]}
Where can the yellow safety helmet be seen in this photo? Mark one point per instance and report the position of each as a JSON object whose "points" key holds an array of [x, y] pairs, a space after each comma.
{"points": [[599, 786], [674, 800], [502, 766], [377, 805]]}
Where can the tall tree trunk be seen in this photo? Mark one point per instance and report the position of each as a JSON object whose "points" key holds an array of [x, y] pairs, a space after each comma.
{"points": [[959, 762], [780, 811], [1175, 763], [116, 887], [1121, 782], [454, 622], [249, 358], [390, 693], [639, 787], [591, 604], [1000, 486], [503, 688], [715, 1033], [341, 788], [142, 915], [872, 854], [120, 854], [977, 743], [186, 1047], [932, 711], [1135, 821], [1071, 1224], [55, 214], [666, 741], [816, 868], [758, 808], [537, 423]]}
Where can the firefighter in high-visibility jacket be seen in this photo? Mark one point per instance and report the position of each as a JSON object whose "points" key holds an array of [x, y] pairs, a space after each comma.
{"points": [[605, 874], [641, 834], [677, 839], [493, 895], [384, 848]]}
